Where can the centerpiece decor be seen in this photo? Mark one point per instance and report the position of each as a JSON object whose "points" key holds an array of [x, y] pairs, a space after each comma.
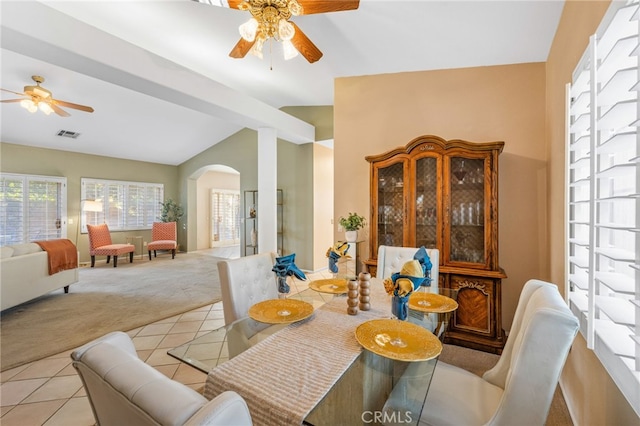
{"points": [[334, 253], [414, 274], [285, 267], [351, 224]]}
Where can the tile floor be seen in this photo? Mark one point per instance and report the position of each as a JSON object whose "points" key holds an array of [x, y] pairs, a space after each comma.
{"points": [[49, 392]]}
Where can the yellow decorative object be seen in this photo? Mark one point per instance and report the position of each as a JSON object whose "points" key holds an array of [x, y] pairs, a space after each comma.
{"points": [[432, 303], [331, 286], [399, 340], [412, 268], [280, 311]]}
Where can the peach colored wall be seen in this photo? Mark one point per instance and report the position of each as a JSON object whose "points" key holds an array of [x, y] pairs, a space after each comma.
{"points": [[374, 114], [591, 395]]}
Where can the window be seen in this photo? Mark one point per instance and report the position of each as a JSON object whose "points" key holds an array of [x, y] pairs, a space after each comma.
{"points": [[32, 208], [603, 220], [125, 205], [225, 217]]}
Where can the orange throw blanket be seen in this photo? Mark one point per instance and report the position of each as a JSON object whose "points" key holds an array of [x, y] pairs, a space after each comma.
{"points": [[62, 254]]}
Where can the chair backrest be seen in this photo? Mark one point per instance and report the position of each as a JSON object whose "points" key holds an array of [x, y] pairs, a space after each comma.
{"points": [[164, 231], [537, 353], [244, 282], [99, 236], [391, 259], [498, 374], [123, 390]]}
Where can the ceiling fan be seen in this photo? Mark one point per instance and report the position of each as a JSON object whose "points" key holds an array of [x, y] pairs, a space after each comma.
{"points": [[37, 97], [270, 19]]}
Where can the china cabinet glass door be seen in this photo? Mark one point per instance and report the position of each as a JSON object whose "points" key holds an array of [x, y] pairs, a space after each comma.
{"points": [[391, 220], [466, 221], [427, 207]]}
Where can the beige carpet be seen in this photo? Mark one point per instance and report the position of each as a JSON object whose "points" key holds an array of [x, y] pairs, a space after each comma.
{"points": [[478, 362], [107, 299]]}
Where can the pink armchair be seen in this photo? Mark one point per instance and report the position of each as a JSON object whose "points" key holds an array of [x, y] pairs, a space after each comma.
{"points": [[100, 245], [163, 237]]}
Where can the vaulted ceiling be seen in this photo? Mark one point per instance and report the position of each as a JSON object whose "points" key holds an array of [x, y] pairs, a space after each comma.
{"points": [[164, 89]]}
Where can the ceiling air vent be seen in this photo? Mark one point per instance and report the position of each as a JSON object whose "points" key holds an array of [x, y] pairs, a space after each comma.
{"points": [[68, 134]]}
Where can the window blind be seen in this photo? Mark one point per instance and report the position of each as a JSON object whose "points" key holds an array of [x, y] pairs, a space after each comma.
{"points": [[125, 205], [603, 220], [225, 217], [32, 208]]}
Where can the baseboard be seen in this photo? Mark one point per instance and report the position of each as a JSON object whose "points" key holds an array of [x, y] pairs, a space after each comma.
{"points": [[567, 402]]}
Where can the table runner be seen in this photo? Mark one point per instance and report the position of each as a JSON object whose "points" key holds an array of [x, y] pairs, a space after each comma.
{"points": [[285, 376]]}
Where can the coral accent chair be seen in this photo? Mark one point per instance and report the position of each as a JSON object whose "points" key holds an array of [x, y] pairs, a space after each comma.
{"points": [[163, 237], [100, 245]]}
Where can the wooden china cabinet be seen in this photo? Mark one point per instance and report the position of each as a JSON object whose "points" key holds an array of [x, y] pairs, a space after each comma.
{"points": [[444, 194]]}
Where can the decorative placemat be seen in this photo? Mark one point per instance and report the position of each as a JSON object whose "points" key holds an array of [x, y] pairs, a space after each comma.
{"points": [[432, 303], [399, 340], [280, 311], [331, 285]]}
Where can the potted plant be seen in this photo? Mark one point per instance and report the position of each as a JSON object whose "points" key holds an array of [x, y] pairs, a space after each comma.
{"points": [[171, 211], [351, 224]]}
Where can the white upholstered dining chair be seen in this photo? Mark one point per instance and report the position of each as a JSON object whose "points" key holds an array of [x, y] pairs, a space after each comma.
{"points": [[391, 259], [520, 387], [124, 390], [244, 282]]}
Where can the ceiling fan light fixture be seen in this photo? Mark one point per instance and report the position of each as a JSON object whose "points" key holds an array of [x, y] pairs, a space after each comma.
{"points": [[289, 50], [29, 105], [285, 30], [295, 8], [45, 107], [249, 29], [256, 49]]}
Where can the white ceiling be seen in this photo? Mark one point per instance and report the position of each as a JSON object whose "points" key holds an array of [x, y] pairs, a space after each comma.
{"points": [[164, 89]]}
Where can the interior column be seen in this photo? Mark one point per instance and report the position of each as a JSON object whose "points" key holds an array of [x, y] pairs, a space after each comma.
{"points": [[267, 189]]}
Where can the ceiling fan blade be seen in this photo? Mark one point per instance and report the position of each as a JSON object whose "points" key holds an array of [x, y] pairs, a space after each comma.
{"points": [[58, 110], [305, 46], [12, 100], [233, 4], [241, 48], [310, 7], [55, 102], [15, 93]]}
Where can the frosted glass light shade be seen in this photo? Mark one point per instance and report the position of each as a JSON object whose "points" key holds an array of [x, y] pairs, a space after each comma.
{"points": [[45, 107], [249, 29], [285, 30], [256, 50], [29, 105], [290, 51]]}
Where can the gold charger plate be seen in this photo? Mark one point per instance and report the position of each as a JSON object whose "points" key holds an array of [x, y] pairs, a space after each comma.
{"points": [[280, 311], [399, 340], [432, 302], [331, 285]]}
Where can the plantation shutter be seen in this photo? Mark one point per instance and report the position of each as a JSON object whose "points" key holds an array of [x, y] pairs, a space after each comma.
{"points": [[604, 198]]}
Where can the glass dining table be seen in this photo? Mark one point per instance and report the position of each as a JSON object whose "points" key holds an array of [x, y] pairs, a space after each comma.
{"points": [[373, 389]]}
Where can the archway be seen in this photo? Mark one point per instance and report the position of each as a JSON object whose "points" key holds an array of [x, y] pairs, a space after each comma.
{"points": [[213, 214]]}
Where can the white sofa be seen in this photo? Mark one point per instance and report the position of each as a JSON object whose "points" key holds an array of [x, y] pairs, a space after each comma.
{"points": [[24, 275]]}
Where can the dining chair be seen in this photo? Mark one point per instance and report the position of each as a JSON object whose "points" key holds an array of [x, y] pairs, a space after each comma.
{"points": [[164, 236], [521, 385], [244, 282], [124, 390], [100, 244], [391, 259]]}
